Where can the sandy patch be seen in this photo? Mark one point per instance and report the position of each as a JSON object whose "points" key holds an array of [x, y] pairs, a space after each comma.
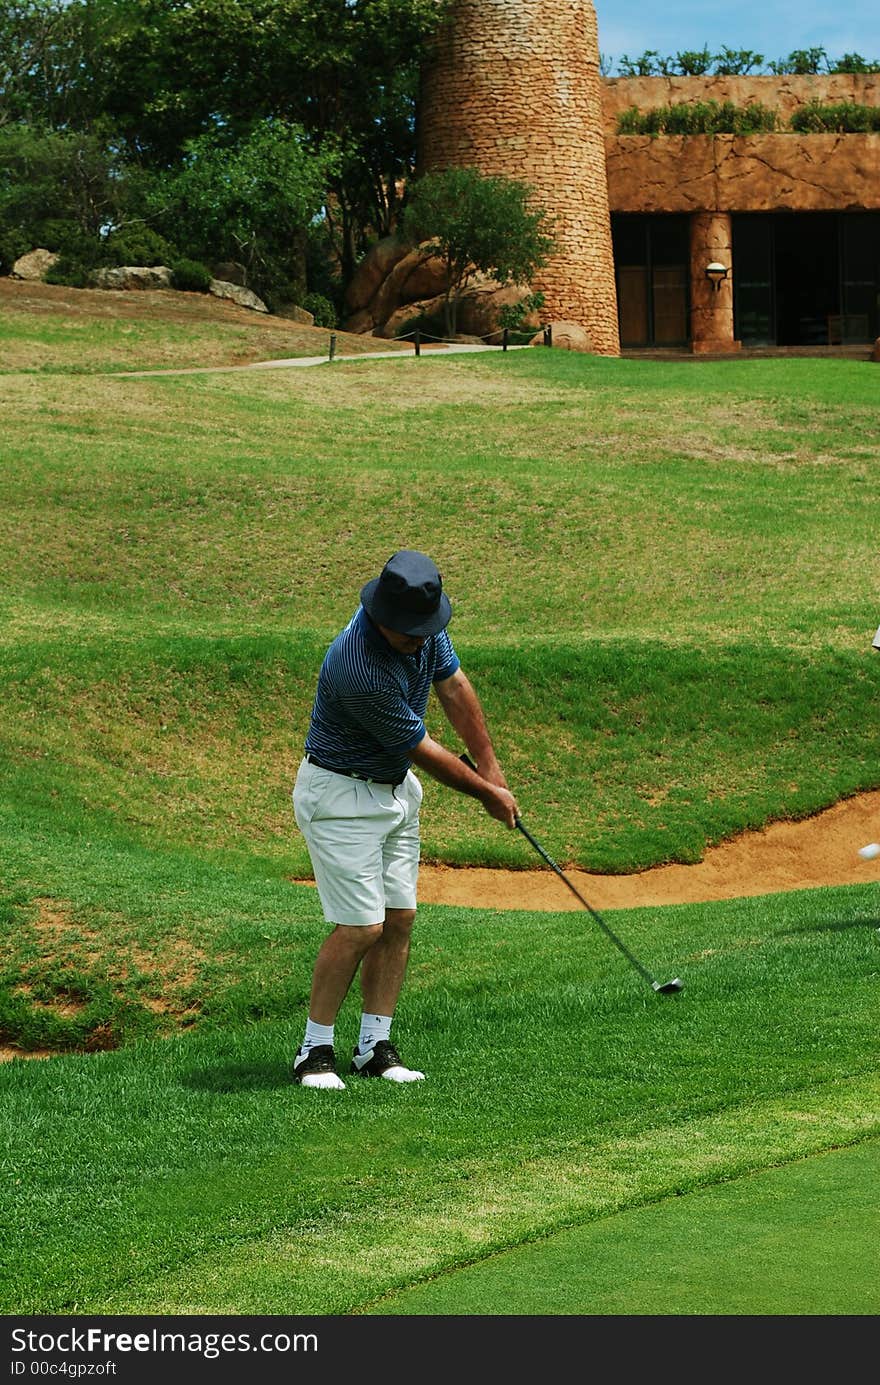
{"points": [[7, 1054]]}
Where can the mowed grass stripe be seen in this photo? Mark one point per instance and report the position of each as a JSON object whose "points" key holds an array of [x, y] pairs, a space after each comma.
{"points": [[797, 1240]]}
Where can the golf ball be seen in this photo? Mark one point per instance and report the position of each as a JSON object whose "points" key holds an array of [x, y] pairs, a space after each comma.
{"points": [[868, 852]]}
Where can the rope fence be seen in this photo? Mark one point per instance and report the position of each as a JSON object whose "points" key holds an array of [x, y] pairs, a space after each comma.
{"points": [[418, 336]]}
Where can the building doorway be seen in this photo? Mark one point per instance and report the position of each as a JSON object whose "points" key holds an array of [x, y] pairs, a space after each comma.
{"points": [[651, 263], [806, 278]]}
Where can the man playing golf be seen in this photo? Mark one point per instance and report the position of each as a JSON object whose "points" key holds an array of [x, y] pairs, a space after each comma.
{"points": [[356, 801]]}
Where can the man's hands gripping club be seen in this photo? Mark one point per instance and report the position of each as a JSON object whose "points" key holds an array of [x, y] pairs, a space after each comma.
{"points": [[481, 776], [459, 774]]}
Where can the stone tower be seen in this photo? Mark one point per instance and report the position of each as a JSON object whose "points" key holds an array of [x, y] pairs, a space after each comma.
{"points": [[513, 88]]}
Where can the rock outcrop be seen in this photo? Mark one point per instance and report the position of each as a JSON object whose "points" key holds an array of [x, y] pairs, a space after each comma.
{"points": [[132, 277], [565, 336], [34, 265], [244, 298]]}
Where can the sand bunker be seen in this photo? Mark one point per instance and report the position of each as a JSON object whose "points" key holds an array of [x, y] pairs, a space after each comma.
{"points": [[821, 850]]}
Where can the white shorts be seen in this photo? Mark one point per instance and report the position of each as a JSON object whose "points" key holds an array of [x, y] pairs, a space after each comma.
{"points": [[363, 841]]}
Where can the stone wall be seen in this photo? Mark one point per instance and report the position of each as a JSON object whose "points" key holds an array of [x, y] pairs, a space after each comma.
{"points": [[513, 88], [743, 173], [784, 94]]}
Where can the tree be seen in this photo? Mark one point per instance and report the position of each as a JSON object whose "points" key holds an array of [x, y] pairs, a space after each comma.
{"points": [[694, 62], [476, 224], [61, 190], [802, 62], [732, 62], [43, 53], [644, 66], [853, 62], [250, 201], [345, 71]]}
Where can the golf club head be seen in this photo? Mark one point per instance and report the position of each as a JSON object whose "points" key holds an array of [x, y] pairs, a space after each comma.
{"points": [[667, 987]]}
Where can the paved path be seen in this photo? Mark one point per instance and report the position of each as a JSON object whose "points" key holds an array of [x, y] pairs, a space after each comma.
{"points": [[441, 349]]}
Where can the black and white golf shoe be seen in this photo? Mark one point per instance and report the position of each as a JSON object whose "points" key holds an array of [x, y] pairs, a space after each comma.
{"points": [[316, 1067], [383, 1060]]}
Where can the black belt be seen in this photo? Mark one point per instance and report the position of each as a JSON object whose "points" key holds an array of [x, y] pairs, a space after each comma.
{"points": [[354, 773]]}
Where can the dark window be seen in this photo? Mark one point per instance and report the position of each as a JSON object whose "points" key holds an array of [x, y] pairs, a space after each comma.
{"points": [[753, 314], [806, 278], [651, 257], [860, 277]]}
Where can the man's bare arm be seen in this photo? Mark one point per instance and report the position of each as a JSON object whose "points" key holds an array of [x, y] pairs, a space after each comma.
{"points": [[437, 761], [464, 713]]}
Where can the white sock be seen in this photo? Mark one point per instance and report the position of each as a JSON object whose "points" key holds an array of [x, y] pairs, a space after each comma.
{"points": [[315, 1035], [374, 1028]]}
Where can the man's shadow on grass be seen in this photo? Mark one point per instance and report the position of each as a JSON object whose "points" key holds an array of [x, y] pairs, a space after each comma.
{"points": [[238, 1077], [831, 926]]}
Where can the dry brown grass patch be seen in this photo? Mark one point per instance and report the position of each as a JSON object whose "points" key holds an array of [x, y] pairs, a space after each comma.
{"points": [[214, 331]]}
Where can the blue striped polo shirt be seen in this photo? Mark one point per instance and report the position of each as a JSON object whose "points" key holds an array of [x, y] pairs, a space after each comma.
{"points": [[370, 704]]}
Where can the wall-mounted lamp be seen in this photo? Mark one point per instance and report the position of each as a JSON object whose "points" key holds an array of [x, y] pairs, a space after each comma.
{"points": [[716, 273]]}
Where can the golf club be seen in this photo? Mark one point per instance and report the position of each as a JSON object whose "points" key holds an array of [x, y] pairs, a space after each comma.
{"points": [[661, 987]]}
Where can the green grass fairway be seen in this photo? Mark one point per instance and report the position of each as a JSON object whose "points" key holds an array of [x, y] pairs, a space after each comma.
{"points": [[799, 1240]]}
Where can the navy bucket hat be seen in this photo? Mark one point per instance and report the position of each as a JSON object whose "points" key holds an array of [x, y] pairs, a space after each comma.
{"points": [[408, 595]]}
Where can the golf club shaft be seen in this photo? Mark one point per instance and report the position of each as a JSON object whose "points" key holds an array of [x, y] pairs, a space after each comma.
{"points": [[634, 961]]}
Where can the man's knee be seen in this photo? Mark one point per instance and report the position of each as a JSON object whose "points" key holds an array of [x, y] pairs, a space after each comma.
{"points": [[399, 922], [358, 938]]}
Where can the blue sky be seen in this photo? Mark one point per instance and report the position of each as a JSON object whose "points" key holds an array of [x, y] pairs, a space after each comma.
{"points": [[772, 27]]}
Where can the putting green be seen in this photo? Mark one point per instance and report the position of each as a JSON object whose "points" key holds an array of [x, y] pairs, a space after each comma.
{"points": [[797, 1240]]}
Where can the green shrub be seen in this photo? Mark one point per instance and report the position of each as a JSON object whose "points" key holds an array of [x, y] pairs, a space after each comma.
{"points": [[138, 245], [694, 62], [190, 276], [13, 242], [698, 118], [803, 61], [79, 254], [66, 237], [629, 122], [854, 62], [753, 118], [647, 65], [512, 315], [730, 61], [321, 309], [842, 117], [429, 325], [275, 288], [70, 272]]}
